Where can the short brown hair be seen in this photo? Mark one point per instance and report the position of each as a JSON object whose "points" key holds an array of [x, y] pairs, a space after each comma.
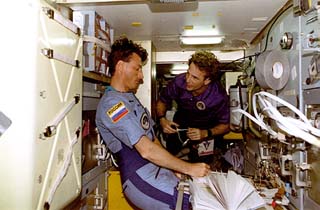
{"points": [[206, 61], [122, 49]]}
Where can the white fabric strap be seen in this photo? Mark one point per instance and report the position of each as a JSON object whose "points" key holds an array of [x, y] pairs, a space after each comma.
{"points": [[50, 130], [64, 168], [99, 42], [51, 54]]}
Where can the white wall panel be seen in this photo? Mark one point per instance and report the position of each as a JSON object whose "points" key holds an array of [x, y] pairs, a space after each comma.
{"points": [[144, 91], [34, 89]]}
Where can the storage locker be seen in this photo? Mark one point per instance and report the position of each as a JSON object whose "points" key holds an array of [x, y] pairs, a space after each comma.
{"points": [[97, 40], [40, 88]]}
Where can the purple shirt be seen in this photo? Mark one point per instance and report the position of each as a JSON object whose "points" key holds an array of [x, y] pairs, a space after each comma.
{"points": [[204, 111]]}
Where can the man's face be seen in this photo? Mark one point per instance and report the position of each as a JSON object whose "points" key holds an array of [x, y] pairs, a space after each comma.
{"points": [[195, 78], [133, 75]]}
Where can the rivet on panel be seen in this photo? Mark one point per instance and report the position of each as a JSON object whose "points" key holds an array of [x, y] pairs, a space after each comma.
{"points": [[40, 179], [43, 94]]}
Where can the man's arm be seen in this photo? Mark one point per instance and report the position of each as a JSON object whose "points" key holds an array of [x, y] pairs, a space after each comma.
{"points": [[159, 156], [220, 129], [166, 125], [198, 134], [161, 109]]}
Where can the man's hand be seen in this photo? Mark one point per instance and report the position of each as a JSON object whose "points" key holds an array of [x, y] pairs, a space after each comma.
{"points": [[161, 157], [168, 126], [199, 170], [196, 134]]}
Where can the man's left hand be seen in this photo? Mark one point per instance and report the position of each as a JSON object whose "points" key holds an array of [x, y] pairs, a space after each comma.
{"points": [[196, 134]]}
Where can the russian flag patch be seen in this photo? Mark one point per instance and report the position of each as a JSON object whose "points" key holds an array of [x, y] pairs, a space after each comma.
{"points": [[117, 112]]}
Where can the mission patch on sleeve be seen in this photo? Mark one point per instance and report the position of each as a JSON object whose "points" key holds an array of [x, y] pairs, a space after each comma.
{"points": [[117, 112]]}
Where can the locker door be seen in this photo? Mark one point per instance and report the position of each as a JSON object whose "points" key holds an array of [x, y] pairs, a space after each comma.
{"points": [[40, 88]]}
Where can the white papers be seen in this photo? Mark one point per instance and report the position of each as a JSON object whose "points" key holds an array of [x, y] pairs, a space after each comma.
{"points": [[268, 195], [219, 191]]}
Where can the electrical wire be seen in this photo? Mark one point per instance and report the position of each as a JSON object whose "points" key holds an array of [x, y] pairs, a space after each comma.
{"points": [[300, 128], [267, 37], [275, 20], [114, 161]]}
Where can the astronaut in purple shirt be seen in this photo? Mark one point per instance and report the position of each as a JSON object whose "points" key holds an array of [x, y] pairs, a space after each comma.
{"points": [[202, 108]]}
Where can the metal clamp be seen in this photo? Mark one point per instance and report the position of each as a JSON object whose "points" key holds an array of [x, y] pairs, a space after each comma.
{"points": [[98, 204], [60, 19], [264, 152], [183, 187], [302, 168], [101, 151], [284, 158], [50, 131]]}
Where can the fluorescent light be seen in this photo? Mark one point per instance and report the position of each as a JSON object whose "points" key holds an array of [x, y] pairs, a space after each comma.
{"points": [[198, 40], [250, 29], [188, 27], [175, 72], [136, 24], [259, 19], [180, 66], [206, 30]]}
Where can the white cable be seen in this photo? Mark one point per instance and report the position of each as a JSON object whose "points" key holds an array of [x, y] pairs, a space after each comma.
{"points": [[251, 117], [290, 106], [108, 155], [259, 118], [290, 125], [273, 133], [301, 128], [63, 170], [114, 161], [275, 114]]}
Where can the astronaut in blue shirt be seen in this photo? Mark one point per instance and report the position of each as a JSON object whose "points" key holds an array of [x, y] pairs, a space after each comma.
{"points": [[148, 172]]}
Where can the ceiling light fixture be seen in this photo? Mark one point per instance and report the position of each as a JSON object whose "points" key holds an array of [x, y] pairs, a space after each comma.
{"points": [[176, 72], [200, 40], [259, 19], [179, 68], [136, 24], [250, 29], [188, 27]]}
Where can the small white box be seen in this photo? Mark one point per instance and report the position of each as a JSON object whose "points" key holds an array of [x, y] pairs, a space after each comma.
{"points": [[94, 25], [94, 58], [85, 20]]}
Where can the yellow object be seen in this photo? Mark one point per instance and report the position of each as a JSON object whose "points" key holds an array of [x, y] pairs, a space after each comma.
{"points": [[136, 24], [116, 199], [233, 136], [188, 27]]}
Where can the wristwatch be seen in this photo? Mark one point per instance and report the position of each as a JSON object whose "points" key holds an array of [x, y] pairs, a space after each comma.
{"points": [[210, 134]]}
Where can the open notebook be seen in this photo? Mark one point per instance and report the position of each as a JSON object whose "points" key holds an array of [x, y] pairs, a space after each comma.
{"points": [[221, 191]]}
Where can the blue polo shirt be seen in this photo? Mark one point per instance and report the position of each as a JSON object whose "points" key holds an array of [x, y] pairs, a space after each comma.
{"points": [[122, 121]]}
